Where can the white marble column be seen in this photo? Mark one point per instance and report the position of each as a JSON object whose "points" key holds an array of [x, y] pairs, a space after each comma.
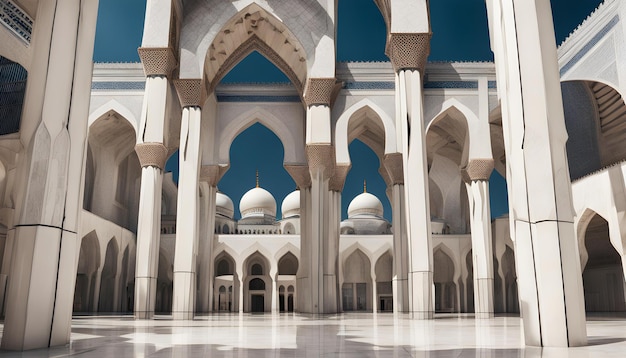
{"points": [[476, 176], [393, 164], [319, 277], [42, 275], [408, 53], [152, 153], [186, 250], [540, 201]]}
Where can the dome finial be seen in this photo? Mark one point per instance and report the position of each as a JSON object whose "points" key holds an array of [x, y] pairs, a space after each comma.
{"points": [[364, 186], [257, 178]]}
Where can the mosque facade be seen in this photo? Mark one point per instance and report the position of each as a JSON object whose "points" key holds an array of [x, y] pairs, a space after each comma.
{"points": [[92, 223]]}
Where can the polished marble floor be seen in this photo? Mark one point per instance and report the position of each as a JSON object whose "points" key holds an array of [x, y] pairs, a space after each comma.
{"points": [[346, 335]]}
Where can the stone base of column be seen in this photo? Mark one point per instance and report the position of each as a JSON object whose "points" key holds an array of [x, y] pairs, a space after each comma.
{"points": [[400, 295], [145, 292], [183, 300], [483, 298], [421, 294], [31, 298]]}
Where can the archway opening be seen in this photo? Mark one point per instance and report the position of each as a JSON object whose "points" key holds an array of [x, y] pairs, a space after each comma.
{"points": [[225, 283], [443, 278], [362, 37], [287, 269], [106, 302], [165, 285], [356, 290], [603, 276], [88, 264], [258, 294], [384, 285]]}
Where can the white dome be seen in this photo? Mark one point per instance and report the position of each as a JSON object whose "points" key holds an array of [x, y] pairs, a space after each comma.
{"points": [[291, 205], [257, 201], [365, 204], [224, 205]]}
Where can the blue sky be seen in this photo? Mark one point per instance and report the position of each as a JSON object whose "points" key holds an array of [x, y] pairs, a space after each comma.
{"points": [[459, 34]]}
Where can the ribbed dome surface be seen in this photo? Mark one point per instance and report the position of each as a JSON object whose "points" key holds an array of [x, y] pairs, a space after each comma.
{"points": [[291, 205], [257, 201], [365, 204], [224, 205]]}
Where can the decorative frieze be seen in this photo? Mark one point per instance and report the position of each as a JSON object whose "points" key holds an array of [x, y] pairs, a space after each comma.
{"points": [[189, 92], [395, 168], [319, 91], [338, 180], [157, 61], [300, 174], [408, 50], [321, 157], [477, 169], [151, 154]]}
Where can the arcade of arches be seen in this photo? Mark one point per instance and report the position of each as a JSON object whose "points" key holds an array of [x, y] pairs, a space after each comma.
{"points": [[105, 229]]}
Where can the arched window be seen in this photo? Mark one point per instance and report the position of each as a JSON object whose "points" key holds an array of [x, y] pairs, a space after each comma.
{"points": [[256, 285], [223, 267], [222, 289], [256, 269], [290, 288]]}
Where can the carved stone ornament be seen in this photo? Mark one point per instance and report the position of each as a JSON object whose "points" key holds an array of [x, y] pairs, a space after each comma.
{"points": [[321, 157], [300, 174], [151, 154], [157, 61], [319, 91], [478, 169], [408, 50], [339, 179], [189, 92], [395, 168], [210, 174]]}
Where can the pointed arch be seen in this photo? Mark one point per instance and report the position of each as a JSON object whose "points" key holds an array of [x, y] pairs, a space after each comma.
{"points": [[235, 126], [288, 264], [448, 133], [369, 117], [446, 250], [110, 107], [288, 247], [255, 29]]}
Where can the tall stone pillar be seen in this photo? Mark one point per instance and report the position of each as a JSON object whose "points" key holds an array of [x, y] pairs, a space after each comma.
{"points": [[476, 176], [334, 212], [540, 200], [53, 129], [158, 63], [320, 277], [408, 53], [393, 165], [186, 250], [209, 176], [302, 177]]}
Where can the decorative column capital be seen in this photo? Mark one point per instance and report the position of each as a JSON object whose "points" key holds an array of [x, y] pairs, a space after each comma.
{"points": [[189, 92], [338, 180], [157, 61], [321, 157], [395, 168], [408, 50], [477, 169], [210, 174], [151, 154], [319, 91], [300, 174]]}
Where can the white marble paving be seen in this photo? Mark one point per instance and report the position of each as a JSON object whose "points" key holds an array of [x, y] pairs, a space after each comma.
{"points": [[346, 335]]}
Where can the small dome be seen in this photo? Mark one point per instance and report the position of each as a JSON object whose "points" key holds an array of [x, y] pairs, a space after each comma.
{"points": [[257, 201], [365, 204], [224, 205], [291, 205]]}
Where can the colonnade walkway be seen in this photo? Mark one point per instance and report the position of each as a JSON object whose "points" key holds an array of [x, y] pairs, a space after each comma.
{"points": [[344, 335]]}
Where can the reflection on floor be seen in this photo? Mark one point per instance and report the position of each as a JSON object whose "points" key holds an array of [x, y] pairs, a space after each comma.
{"points": [[346, 335]]}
